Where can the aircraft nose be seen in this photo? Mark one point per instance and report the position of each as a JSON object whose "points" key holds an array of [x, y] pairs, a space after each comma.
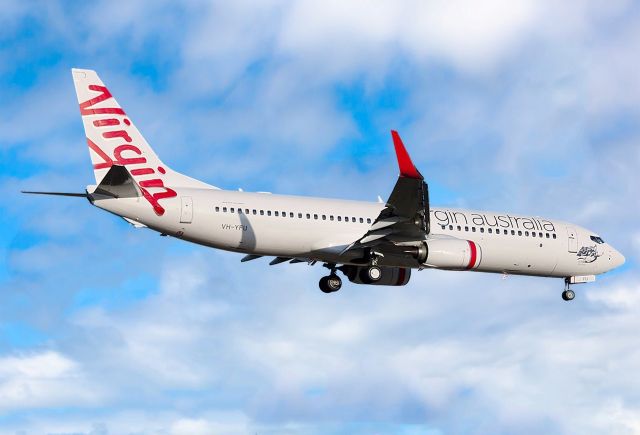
{"points": [[617, 259]]}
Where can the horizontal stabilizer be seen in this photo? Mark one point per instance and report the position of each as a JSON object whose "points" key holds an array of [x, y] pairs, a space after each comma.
{"points": [[118, 183], [79, 195]]}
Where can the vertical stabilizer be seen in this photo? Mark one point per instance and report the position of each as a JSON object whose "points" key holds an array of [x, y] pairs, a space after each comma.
{"points": [[113, 139]]}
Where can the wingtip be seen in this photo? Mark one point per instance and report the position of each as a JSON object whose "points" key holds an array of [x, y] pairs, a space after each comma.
{"points": [[407, 168]]}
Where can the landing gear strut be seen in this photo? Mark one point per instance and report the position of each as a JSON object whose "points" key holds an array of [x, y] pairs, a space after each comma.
{"points": [[568, 294], [331, 283], [373, 272]]}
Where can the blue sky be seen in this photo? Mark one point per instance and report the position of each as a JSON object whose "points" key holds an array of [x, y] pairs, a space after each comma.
{"points": [[522, 106]]}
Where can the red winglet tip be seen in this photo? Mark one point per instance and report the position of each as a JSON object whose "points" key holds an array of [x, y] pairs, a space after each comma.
{"points": [[407, 168]]}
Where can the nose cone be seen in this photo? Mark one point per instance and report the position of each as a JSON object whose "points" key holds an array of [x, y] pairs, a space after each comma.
{"points": [[617, 259]]}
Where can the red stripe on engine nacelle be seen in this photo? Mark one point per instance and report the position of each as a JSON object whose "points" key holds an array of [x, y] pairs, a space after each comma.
{"points": [[402, 273], [474, 254]]}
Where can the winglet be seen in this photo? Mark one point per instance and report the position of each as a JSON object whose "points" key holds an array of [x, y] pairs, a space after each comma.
{"points": [[407, 168]]}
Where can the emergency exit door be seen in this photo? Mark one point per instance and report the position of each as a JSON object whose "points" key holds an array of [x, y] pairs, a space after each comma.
{"points": [[186, 213]]}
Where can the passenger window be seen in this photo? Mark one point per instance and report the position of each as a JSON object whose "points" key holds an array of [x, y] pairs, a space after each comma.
{"points": [[361, 220], [217, 209], [450, 227], [482, 229], [368, 220], [466, 229], [533, 234], [459, 228], [261, 212], [246, 211], [275, 213], [232, 210], [339, 218], [299, 215], [315, 216], [330, 217], [324, 217], [547, 235], [268, 212], [308, 216], [554, 236], [353, 219], [490, 230], [519, 233], [224, 209], [255, 211], [291, 214], [526, 233], [513, 232], [473, 229]]}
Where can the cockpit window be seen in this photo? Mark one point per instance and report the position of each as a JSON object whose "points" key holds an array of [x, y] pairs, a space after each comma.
{"points": [[597, 239]]}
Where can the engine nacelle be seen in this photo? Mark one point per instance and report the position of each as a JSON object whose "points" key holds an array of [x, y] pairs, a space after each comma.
{"points": [[450, 254], [390, 275]]}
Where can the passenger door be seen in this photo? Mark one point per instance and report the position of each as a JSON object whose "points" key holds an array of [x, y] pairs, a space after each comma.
{"points": [[186, 210], [573, 239]]}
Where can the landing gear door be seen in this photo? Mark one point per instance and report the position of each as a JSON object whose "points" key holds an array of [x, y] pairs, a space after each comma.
{"points": [[186, 211], [573, 239]]}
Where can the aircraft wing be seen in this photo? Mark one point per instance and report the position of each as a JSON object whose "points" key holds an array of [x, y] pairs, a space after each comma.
{"points": [[405, 218]]}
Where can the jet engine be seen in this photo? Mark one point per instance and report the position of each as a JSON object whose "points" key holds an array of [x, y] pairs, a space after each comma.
{"points": [[449, 254], [395, 276]]}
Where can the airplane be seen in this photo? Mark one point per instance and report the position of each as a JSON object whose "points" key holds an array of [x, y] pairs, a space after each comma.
{"points": [[375, 243]]}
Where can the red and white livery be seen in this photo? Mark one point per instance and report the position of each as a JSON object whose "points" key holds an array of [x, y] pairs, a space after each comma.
{"points": [[369, 243]]}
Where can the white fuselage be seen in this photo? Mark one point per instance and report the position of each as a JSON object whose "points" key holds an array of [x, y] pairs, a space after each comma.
{"points": [[319, 229]]}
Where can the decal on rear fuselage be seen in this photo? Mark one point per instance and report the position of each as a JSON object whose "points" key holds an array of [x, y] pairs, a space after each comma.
{"points": [[235, 227]]}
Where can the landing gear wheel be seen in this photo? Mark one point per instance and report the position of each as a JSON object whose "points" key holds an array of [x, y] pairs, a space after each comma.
{"points": [[330, 284], [370, 274], [568, 295], [374, 273]]}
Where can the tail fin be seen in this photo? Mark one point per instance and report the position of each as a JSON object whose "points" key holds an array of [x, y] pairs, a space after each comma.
{"points": [[113, 139]]}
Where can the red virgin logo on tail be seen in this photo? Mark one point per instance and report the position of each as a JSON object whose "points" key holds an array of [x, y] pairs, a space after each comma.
{"points": [[125, 154]]}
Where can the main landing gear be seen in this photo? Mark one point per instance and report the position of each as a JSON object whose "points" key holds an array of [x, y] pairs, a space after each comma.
{"points": [[568, 294], [370, 274], [331, 283]]}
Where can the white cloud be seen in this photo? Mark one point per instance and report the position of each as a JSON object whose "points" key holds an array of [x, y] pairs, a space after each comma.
{"points": [[43, 379], [263, 343]]}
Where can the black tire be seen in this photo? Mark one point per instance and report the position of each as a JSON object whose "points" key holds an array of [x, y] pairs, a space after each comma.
{"points": [[324, 285], [374, 273], [330, 284], [371, 274], [568, 295]]}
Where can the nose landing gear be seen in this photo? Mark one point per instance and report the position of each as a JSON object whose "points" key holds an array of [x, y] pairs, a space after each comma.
{"points": [[568, 294]]}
